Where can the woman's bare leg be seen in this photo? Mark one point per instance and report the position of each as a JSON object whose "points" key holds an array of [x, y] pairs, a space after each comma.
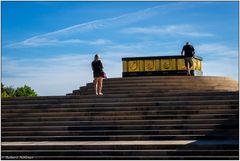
{"points": [[95, 84], [100, 80], [188, 69]]}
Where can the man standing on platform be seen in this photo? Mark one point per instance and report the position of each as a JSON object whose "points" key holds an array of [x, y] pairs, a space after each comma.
{"points": [[189, 54]]}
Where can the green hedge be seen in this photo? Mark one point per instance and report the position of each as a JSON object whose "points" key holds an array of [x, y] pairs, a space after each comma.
{"points": [[20, 91]]}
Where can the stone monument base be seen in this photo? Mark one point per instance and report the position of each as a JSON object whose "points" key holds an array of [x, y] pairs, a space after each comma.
{"points": [[159, 66]]}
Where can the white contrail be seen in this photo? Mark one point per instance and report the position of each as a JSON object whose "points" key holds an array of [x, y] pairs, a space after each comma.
{"points": [[51, 38]]}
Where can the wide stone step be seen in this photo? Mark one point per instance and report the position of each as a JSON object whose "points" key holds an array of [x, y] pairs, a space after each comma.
{"points": [[120, 152], [169, 78], [117, 137], [167, 81], [180, 93], [185, 126], [189, 93], [78, 92], [76, 108], [189, 145], [164, 88], [112, 104], [164, 83], [118, 132], [106, 99], [120, 113], [123, 145], [136, 117], [185, 87], [120, 122], [117, 122]]}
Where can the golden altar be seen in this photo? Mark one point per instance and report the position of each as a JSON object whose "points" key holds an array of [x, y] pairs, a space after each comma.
{"points": [[159, 66]]}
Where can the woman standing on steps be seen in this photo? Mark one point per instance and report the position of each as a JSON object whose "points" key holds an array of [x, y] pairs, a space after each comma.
{"points": [[98, 74]]}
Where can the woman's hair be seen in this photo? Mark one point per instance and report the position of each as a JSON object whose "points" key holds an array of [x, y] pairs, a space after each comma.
{"points": [[96, 57]]}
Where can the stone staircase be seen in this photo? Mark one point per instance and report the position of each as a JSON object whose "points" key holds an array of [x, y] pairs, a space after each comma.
{"points": [[167, 117]]}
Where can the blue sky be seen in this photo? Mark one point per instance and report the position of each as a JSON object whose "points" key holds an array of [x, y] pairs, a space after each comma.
{"points": [[50, 45]]}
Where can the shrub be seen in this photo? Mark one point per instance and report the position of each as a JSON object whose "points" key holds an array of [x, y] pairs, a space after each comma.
{"points": [[25, 91], [20, 91], [7, 91]]}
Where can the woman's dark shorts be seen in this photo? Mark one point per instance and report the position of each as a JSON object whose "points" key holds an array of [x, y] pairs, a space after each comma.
{"points": [[96, 74], [188, 60]]}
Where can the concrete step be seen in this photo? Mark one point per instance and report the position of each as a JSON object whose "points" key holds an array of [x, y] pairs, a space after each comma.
{"points": [[117, 122], [165, 81], [159, 91], [117, 132], [119, 104], [119, 98], [122, 99], [180, 93], [163, 85], [123, 145], [186, 126], [116, 137], [120, 113], [121, 152], [169, 78], [163, 88], [75, 108], [136, 117]]}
